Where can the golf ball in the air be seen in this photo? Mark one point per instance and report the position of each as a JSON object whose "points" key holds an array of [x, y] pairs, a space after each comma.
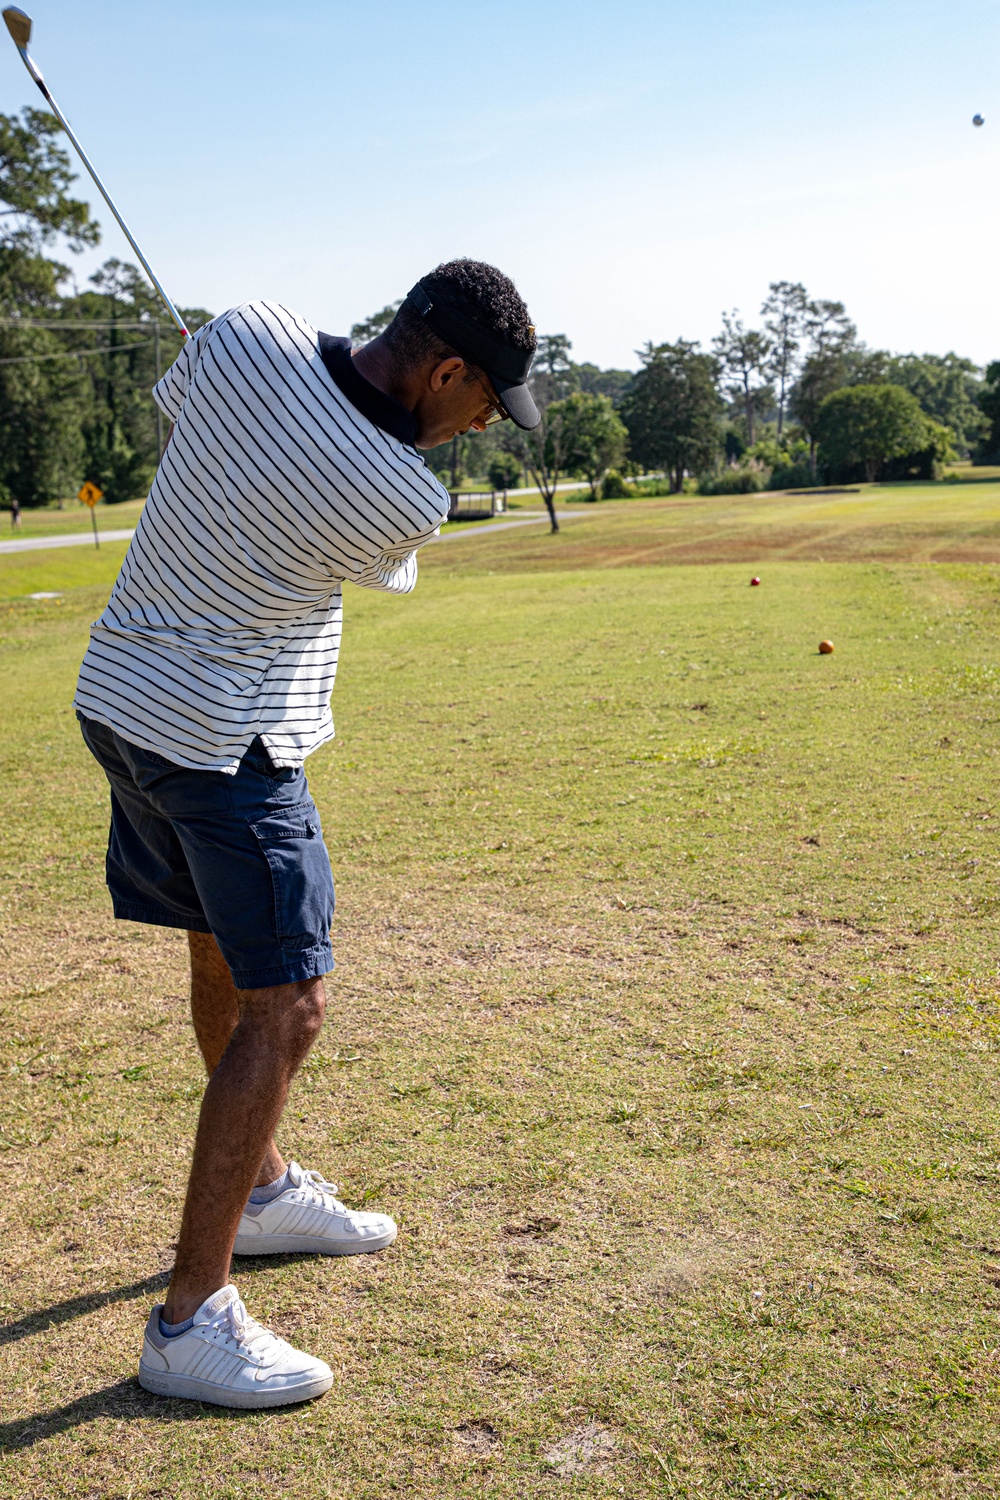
{"points": [[978, 120]]}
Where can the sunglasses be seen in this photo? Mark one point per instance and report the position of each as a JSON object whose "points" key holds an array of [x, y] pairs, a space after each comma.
{"points": [[496, 412]]}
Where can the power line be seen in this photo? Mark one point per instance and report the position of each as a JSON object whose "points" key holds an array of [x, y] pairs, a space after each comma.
{"points": [[62, 324], [20, 359], [82, 323]]}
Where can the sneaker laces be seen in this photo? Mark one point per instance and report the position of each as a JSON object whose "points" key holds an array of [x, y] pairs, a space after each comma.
{"points": [[325, 1192], [249, 1336]]}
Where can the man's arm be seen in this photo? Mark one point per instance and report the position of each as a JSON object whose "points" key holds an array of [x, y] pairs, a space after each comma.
{"points": [[394, 571]]}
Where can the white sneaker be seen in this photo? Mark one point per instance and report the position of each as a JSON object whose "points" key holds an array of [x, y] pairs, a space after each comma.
{"points": [[228, 1359], [308, 1217]]}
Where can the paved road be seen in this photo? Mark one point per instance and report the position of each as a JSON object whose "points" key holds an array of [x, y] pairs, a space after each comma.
{"points": [[477, 529], [74, 539], [85, 538], [564, 484]]}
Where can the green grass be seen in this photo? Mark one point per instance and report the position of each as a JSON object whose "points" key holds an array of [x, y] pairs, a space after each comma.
{"points": [[666, 1022], [50, 521], [60, 570]]}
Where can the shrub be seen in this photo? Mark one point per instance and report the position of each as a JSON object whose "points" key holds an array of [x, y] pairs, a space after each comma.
{"points": [[768, 453], [792, 477], [613, 486], [659, 486], [504, 471], [743, 481]]}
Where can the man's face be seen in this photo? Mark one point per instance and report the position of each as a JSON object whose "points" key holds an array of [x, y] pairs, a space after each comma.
{"points": [[453, 399]]}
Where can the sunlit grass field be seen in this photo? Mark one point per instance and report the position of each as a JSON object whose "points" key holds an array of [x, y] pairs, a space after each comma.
{"points": [[49, 520], [666, 1022]]}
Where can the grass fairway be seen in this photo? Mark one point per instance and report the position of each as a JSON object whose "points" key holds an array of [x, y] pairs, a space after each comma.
{"points": [[61, 569], [50, 521], [666, 1022], [945, 522]]}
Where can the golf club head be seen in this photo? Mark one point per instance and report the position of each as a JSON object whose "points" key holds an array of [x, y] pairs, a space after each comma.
{"points": [[19, 26]]}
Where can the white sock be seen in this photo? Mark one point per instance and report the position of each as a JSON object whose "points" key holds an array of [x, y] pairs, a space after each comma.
{"points": [[270, 1190]]}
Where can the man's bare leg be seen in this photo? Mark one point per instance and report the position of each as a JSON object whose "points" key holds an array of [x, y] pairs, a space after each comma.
{"points": [[215, 1010], [242, 1105]]}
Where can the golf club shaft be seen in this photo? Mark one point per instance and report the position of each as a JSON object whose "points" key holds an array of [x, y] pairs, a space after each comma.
{"points": [[36, 75]]}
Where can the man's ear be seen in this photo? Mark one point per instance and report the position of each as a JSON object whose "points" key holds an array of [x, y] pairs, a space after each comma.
{"points": [[446, 372]]}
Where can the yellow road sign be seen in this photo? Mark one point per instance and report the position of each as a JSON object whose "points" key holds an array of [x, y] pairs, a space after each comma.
{"points": [[90, 494]]}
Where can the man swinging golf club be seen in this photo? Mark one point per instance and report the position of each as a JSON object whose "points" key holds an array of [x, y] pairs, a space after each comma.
{"points": [[291, 469]]}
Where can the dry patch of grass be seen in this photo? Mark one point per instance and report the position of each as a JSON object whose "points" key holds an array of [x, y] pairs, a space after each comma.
{"points": [[954, 523]]}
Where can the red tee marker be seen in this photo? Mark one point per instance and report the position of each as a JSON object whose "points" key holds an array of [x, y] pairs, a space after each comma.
{"points": [[755, 583]]}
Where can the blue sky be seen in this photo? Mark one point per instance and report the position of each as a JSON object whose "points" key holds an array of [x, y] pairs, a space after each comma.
{"points": [[636, 167]]}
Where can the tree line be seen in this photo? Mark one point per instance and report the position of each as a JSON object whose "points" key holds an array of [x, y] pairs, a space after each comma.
{"points": [[795, 400]]}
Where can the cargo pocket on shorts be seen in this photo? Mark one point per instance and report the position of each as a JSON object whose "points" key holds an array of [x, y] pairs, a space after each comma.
{"points": [[301, 880]]}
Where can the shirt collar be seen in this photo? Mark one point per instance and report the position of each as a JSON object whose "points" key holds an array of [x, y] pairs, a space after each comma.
{"points": [[385, 411]]}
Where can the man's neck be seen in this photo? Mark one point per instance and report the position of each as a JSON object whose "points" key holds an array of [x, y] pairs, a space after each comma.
{"points": [[374, 362]]}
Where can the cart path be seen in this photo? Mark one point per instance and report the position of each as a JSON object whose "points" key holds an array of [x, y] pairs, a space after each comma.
{"points": [[86, 538], [74, 539], [477, 528]]}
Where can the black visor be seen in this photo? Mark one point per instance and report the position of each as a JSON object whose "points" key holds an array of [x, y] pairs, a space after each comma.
{"points": [[506, 366]]}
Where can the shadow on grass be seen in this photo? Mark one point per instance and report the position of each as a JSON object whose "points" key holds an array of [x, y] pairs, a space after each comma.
{"points": [[77, 1307], [126, 1401]]}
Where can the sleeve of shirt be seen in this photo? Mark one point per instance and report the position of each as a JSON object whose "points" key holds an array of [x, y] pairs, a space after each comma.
{"points": [[395, 570], [169, 392]]}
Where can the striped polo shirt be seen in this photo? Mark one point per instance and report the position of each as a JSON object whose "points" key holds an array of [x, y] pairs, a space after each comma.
{"points": [[274, 490]]}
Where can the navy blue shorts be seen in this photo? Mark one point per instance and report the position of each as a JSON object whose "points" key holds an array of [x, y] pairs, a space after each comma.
{"points": [[241, 857]]}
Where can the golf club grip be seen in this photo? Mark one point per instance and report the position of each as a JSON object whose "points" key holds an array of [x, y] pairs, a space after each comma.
{"points": [[171, 309]]}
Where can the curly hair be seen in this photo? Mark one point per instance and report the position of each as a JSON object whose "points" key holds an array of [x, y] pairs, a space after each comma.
{"points": [[470, 286]]}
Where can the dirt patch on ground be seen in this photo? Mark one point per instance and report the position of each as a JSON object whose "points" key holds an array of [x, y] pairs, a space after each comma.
{"points": [[582, 1451], [480, 1437]]}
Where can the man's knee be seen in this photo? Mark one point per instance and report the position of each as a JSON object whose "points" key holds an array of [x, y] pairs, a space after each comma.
{"points": [[310, 1011], [292, 1014]]}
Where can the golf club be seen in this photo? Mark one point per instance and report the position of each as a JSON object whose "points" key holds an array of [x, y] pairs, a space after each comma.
{"points": [[19, 26]]}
